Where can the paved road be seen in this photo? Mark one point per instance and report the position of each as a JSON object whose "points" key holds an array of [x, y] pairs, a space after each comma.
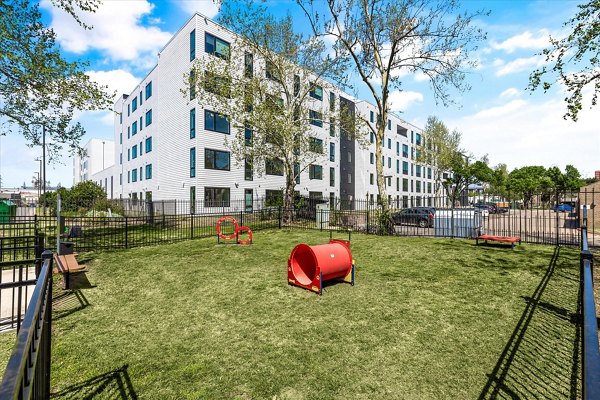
{"points": [[9, 298]]}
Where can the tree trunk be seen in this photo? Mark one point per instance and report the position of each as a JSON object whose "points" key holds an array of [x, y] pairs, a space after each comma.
{"points": [[385, 221], [288, 195]]}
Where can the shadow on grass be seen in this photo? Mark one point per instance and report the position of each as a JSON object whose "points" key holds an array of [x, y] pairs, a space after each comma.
{"points": [[541, 358], [114, 384], [67, 303]]}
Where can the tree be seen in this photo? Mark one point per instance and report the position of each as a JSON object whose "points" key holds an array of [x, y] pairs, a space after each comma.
{"points": [[527, 181], [38, 87], [570, 180], [385, 38], [575, 59], [273, 110], [499, 179]]}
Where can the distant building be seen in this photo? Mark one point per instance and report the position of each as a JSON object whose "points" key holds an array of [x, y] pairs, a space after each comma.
{"points": [[99, 154], [597, 174]]}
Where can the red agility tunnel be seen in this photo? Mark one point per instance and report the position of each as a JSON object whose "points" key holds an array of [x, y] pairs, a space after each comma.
{"points": [[310, 266]]}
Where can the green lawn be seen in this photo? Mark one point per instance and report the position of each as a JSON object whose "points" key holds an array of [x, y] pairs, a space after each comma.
{"points": [[427, 319]]}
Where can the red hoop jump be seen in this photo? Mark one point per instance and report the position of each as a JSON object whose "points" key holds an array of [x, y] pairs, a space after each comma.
{"points": [[248, 231], [236, 231], [235, 226]]}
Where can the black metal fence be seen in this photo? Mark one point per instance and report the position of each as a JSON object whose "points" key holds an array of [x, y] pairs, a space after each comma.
{"points": [[27, 374], [589, 344]]}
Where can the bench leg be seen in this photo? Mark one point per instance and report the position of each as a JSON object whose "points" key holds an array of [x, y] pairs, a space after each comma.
{"points": [[66, 280]]}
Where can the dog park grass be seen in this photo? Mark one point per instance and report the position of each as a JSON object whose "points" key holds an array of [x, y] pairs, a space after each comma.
{"points": [[427, 318]]}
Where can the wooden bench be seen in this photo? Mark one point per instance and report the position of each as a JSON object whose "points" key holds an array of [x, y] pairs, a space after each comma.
{"points": [[65, 264], [505, 239]]}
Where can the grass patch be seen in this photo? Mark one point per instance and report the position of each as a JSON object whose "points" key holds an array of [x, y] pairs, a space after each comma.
{"points": [[427, 318]]}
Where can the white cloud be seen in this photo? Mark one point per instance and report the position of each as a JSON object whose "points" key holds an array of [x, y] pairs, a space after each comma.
{"points": [[523, 132], [525, 40], [204, 7], [510, 92], [520, 64], [117, 31], [401, 100], [117, 80], [421, 77]]}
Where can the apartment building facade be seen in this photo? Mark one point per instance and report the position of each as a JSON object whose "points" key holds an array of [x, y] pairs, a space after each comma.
{"points": [[98, 155], [170, 146]]}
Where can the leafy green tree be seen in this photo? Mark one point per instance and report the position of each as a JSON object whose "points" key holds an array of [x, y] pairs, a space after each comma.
{"points": [[568, 181], [273, 110], [499, 179], [528, 181], [38, 87], [385, 38], [575, 59]]}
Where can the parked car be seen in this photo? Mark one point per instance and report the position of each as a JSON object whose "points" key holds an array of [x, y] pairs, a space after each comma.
{"points": [[564, 208], [420, 216], [485, 209]]}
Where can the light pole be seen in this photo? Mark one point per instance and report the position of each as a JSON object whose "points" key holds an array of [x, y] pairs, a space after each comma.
{"points": [[44, 165], [38, 185]]}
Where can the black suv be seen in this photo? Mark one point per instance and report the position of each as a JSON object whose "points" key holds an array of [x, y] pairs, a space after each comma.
{"points": [[420, 216]]}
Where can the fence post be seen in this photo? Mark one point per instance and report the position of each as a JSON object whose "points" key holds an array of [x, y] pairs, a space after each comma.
{"points": [[47, 255], [242, 218], [126, 231], [557, 218], [279, 216], [368, 218], [192, 226]]}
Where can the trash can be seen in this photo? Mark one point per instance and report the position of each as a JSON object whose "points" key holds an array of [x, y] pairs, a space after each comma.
{"points": [[65, 248], [8, 211], [458, 222]]}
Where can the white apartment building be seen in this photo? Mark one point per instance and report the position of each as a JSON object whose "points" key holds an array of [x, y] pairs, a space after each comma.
{"points": [[98, 155], [167, 146]]}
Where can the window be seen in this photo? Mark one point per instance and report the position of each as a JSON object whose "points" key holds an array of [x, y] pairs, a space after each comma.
{"points": [[248, 65], [389, 162], [331, 176], [216, 197], [192, 45], [140, 147], [120, 158], [134, 128], [216, 159], [134, 175], [316, 92], [217, 84], [141, 100], [389, 143], [296, 85], [397, 166], [405, 150], [128, 176], [193, 162], [274, 166], [134, 104], [331, 127], [128, 132], [315, 145], [332, 151], [397, 148], [405, 167], [128, 109], [418, 186], [371, 117], [192, 199], [371, 179], [371, 158], [315, 171], [248, 170], [216, 122], [148, 90], [192, 123], [128, 154], [418, 173], [141, 175], [400, 130], [215, 46], [148, 117], [428, 173], [248, 135], [141, 124], [121, 179], [331, 101], [418, 139], [192, 84], [273, 197], [349, 178], [316, 118], [405, 185], [372, 138], [271, 71], [389, 124], [349, 157], [397, 184], [428, 187], [149, 144], [121, 138], [134, 152]]}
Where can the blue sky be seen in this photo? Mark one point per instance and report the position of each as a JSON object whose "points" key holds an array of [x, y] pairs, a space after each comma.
{"points": [[497, 117]]}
